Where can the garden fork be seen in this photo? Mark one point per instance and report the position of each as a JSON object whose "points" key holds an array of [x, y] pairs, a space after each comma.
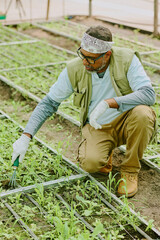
{"points": [[12, 182]]}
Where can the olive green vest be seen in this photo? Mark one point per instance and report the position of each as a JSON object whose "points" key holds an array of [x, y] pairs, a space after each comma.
{"points": [[81, 80]]}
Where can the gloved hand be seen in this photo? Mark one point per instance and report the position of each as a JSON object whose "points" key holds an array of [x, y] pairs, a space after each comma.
{"points": [[20, 147], [96, 113]]}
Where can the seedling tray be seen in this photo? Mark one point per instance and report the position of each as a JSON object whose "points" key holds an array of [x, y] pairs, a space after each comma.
{"points": [[86, 199]]}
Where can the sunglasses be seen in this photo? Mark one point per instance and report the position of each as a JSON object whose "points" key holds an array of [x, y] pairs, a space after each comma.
{"points": [[89, 59]]}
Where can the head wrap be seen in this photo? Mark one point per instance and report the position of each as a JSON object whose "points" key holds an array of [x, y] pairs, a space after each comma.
{"points": [[95, 45]]}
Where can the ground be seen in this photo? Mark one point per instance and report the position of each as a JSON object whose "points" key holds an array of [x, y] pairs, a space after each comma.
{"points": [[59, 132]]}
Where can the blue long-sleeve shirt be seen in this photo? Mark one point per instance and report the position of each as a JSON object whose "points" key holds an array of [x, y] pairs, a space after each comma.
{"points": [[143, 94]]}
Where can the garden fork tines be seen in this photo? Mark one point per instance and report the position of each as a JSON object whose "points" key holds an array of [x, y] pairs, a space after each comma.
{"points": [[12, 182]]}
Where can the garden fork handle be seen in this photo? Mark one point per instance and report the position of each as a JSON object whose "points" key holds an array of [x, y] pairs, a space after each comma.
{"points": [[16, 163]]}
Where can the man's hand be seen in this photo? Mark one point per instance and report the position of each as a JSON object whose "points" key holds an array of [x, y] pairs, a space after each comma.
{"points": [[97, 112], [20, 147]]}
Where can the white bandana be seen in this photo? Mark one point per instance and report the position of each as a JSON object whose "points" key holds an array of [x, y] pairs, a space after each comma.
{"points": [[95, 45]]}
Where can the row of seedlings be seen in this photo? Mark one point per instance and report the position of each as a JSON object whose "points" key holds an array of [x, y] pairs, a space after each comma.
{"points": [[150, 55], [48, 205], [37, 87], [35, 62], [30, 54], [10, 37]]}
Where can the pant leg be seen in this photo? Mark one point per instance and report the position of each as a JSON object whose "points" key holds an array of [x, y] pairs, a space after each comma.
{"points": [[133, 128], [96, 147], [136, 134]]}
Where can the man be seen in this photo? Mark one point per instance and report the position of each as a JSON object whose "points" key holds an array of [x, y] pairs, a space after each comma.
{"points": [[115, 95]]}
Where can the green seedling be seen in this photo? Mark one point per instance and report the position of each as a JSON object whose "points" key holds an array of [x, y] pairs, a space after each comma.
{"points": [[150, 225], [112, 184], [40, 192]]}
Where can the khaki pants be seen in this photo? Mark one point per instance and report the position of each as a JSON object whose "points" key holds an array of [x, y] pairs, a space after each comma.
{"points": [[133, 128]]}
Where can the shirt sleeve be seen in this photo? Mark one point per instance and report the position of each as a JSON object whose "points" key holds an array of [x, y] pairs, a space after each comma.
{"points": [[143, 96], [44, 109], [62, 89], [136, 75], [143, 92]]}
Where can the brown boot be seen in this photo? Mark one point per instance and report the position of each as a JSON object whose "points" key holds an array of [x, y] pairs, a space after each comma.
{"points": [[129, 187], [108, 167]]}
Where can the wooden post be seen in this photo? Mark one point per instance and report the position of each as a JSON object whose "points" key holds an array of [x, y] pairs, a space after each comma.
{"points": [[155, 32], [90, 8], [63, 8], [48, 5]]}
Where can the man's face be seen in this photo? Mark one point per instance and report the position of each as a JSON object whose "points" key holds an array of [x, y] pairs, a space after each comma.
{"points": [[98, 65]]}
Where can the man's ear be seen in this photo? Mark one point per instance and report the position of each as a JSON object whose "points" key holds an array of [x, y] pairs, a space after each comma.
{"points": [[109, 53]]}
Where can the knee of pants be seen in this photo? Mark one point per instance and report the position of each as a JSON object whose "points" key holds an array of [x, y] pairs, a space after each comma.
{"points": [[143, 116], [93, 161]]}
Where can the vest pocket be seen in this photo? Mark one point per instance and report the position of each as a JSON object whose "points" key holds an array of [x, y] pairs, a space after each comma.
{"points": [[77, 98]]}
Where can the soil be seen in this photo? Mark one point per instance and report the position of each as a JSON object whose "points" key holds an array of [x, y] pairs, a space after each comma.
{"points": [[58, 132], [5, 184], [56, 40]]}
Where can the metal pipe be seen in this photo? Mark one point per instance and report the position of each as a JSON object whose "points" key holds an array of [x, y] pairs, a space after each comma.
{"points": [[37, 99], [10, 35], [118, 201], [33, 66], [79, 216], [149, 52], [117, 212], [57, 32], [11, 58], [20, 89], [66, 160], [18, 218], [85, 28], [79, 40], [48, 50], [19, 42], [62, 49], [18, 33], [30, 37], [53, 183], [152, 65], [137, 42], [145, 160]]}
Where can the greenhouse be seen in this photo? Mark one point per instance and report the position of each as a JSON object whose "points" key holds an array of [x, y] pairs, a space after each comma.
{"points": [[59, 83]]}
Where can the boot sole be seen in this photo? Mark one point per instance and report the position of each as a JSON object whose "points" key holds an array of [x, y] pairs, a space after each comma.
{"points": [[127, 195]]}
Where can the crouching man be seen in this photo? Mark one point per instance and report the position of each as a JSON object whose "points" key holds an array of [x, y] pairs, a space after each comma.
{"points": [[115, 95]]}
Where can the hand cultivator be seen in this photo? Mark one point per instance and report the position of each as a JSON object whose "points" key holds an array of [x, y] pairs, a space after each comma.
{"points": [[12, 182]]}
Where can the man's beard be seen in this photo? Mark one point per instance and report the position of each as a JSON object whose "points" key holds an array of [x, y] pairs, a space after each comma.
{"points": [[92, 70]]}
